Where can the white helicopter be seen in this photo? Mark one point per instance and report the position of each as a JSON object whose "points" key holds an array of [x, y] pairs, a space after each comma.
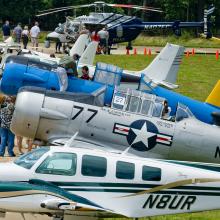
{"points": [[77, 182]]}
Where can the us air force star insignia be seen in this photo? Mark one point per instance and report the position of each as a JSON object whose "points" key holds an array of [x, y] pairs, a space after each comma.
{"points": [[142, 135]]}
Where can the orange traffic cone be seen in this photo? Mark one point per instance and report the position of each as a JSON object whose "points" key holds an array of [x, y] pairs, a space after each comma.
{"points": [[217, 54], [145, 51], [149, 52], [127, 52], [135, 51]]}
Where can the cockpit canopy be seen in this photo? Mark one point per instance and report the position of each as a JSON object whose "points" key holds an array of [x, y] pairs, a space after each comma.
{"points": [[146, 104], [137, 102], [183, 112]]}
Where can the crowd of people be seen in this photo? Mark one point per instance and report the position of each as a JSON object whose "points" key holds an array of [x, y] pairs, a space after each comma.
{"points": [[22, 34], [68, 63], [7, 137]]}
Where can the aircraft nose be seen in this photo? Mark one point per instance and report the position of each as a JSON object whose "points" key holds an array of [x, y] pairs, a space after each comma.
{"points": [[9, 171]]}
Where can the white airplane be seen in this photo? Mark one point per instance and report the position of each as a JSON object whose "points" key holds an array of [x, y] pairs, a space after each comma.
{"points": [[76, 182]]}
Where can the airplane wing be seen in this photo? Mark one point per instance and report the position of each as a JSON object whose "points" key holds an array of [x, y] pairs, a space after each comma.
{"points": [[164, 68], [44, 197]]}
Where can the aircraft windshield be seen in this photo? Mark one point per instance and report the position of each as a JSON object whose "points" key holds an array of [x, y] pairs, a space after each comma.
{"points": [[145, 84], [137, 102], [29, 159], [60, 28], [183, 112]]}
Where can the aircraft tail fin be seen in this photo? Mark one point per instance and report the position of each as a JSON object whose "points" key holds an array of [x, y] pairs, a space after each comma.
{"points": [[79, 45], [164, 68], [88, 55], [214, 96]]}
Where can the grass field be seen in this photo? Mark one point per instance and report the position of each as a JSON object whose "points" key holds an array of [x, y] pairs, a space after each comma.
{"points": [[185, 40], [197, 76]]}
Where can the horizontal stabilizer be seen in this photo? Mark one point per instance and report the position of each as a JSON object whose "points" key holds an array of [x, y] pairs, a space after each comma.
{"points": [[214, 96], [164, 68], [168, 85]]}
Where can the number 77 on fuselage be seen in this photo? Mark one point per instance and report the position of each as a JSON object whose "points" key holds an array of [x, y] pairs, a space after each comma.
{"points": [[134, 122]]}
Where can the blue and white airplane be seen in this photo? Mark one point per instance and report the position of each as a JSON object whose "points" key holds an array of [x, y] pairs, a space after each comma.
{"points": [[24, 71], [208, 111]]}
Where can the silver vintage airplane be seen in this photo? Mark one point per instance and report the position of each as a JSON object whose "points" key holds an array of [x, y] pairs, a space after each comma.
{"points": [[78, 182], [135, 122]]}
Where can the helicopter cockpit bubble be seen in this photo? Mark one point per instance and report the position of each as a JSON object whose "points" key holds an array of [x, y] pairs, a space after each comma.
{"points": [[60, 28]]}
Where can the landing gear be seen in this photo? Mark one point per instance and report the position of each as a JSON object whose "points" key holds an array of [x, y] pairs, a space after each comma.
{"points": [[129, 47]]}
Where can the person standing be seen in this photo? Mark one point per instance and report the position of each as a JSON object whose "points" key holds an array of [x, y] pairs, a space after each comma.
{"points": [[58, 46], [70, 65], [6, 30], [7, 137], [25, 36], [35, 32], [104, 36], [17, 33]]}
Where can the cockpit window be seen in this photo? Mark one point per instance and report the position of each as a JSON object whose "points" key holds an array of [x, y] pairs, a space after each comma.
{"points": [[183, 112], [59, 163], [134, 104], [36, 62], [119, 100], [157, 109], [29, 159], [146, 107], [60, 28]]}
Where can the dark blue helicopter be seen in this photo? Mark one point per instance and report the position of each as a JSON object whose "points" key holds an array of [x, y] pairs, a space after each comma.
{"points": [[121, 28]]}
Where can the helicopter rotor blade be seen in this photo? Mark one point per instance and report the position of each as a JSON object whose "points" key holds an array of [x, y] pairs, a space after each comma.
{"points": [[52, 11], [135, 7]]}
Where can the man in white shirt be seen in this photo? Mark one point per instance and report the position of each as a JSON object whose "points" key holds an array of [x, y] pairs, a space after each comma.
{"points": [[104, 35], [34, 32]]}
